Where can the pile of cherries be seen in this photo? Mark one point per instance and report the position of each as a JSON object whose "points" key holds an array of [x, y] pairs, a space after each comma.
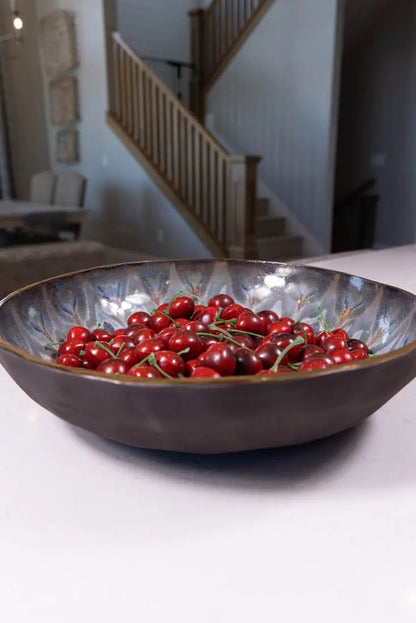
{"points": [[182, 339]]}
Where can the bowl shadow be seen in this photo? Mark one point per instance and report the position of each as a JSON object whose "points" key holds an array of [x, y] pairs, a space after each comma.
{"points": [[285, 468]]}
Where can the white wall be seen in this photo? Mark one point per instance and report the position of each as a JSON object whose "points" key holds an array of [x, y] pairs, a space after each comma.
{"points": [[377, 116], [278, 99], [125, 208], [30, 149]]}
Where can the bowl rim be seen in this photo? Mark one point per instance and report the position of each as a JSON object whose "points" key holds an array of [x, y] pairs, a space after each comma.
{"points": [[226, 380]]}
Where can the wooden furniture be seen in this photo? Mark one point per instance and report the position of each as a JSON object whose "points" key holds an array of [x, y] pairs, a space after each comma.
{"points": [[213, 190], [42, 187], [28, 217]]}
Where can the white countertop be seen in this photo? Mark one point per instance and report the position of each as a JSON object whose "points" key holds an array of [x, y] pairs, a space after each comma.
{"points": [[95, 531]]}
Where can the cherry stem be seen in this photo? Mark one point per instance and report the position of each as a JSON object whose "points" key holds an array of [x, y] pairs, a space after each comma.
{"points": [[228, 335], [248, 333], [120, 349], [107, 350], [296, 342], [299, 324], [51, 345], [184, 351], [324, 324], [205, 334], [175, 296], [153, 362]]}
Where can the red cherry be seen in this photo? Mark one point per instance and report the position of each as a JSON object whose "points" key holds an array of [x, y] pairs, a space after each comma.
{"points": [[139, 317], [303, 329], [340, 333], [181, 307], [130, 356], [248, 321], [79, 333], [196, 326], [332, 342], [95, 353], [358, 354], [353, 344], [220, 358], [149, 346], [171, 363], [121, 341], [191, 364], [144, 372], [159, 321], [118, 332], [280, 326], [183, 340], [145, 334], [220, 300], [342, 355], [310, 350], [231, 312], [133, 330], [268, 316], [243, 340], [101, 335], [203, 372], [165, 335], [112, 366], [316, 363], [71, 347], [268, 353], [207, 315], [69, 360], [247, 362]]}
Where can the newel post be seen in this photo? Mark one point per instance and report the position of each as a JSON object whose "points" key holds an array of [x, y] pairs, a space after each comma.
{"points": [[197, 100], [110, 26], [241, 206]]}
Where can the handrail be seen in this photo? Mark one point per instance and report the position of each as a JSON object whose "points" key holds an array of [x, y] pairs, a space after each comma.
{"points": [[218, 189], [357, 192]]}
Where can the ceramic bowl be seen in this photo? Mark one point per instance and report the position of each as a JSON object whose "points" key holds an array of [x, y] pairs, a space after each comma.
{"points": [[210, 415]]}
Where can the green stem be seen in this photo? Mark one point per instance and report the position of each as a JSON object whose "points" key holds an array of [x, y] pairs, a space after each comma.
{"points": [[154, 363], [175, 296], [296, 342], [324, 324], [299, 324], [107, 350], [120, 349]]}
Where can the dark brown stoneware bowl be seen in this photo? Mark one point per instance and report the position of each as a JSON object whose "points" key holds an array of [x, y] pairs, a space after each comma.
{"points": [[210, 416]]}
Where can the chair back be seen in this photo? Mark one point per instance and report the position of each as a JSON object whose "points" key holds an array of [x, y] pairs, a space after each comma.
{"points": [[42, 187], [70, 190]]}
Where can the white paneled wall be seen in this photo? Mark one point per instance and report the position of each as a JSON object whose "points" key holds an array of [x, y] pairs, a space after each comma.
{"points": [[278, 99]]}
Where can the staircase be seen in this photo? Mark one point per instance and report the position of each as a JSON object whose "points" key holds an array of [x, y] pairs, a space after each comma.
{"points": [[214, 191]]}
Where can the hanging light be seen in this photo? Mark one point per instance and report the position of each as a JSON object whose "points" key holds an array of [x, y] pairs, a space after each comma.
{"points": [[17, 21]]}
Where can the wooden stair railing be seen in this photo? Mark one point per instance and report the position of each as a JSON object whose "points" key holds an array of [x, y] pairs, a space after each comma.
{"points": [[217, 33], [214, 191]]}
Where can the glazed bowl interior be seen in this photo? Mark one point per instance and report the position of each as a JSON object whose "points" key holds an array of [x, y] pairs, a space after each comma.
{"points": [[382, 316], [229, 414]]}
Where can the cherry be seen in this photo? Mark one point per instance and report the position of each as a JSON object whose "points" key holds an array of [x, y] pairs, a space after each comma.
{"points": [[283, 340], [207, 315], [139, 317], [145, 334], [268, 353], [280, 326], [184, 340], [309, 350], [220, 300], [359, 353], [165, 335], [95, 353], [249, 321], [101, 335], [71, 347], [334, 341], [342, 355], [133, 330], [181, 307], [149, 346], [231, 312], [243, 340], [247, 362], [79, 333], [315, 363], [112, 366], [197, 327], [191, 365], [122, 341], [203, 372], [69, 360], [118, 332], [268, 316], [144, 372], [130, 356], [220, 358], [353, 344], [171, 363], [159, 321], [304, 330], [340, 332]]}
